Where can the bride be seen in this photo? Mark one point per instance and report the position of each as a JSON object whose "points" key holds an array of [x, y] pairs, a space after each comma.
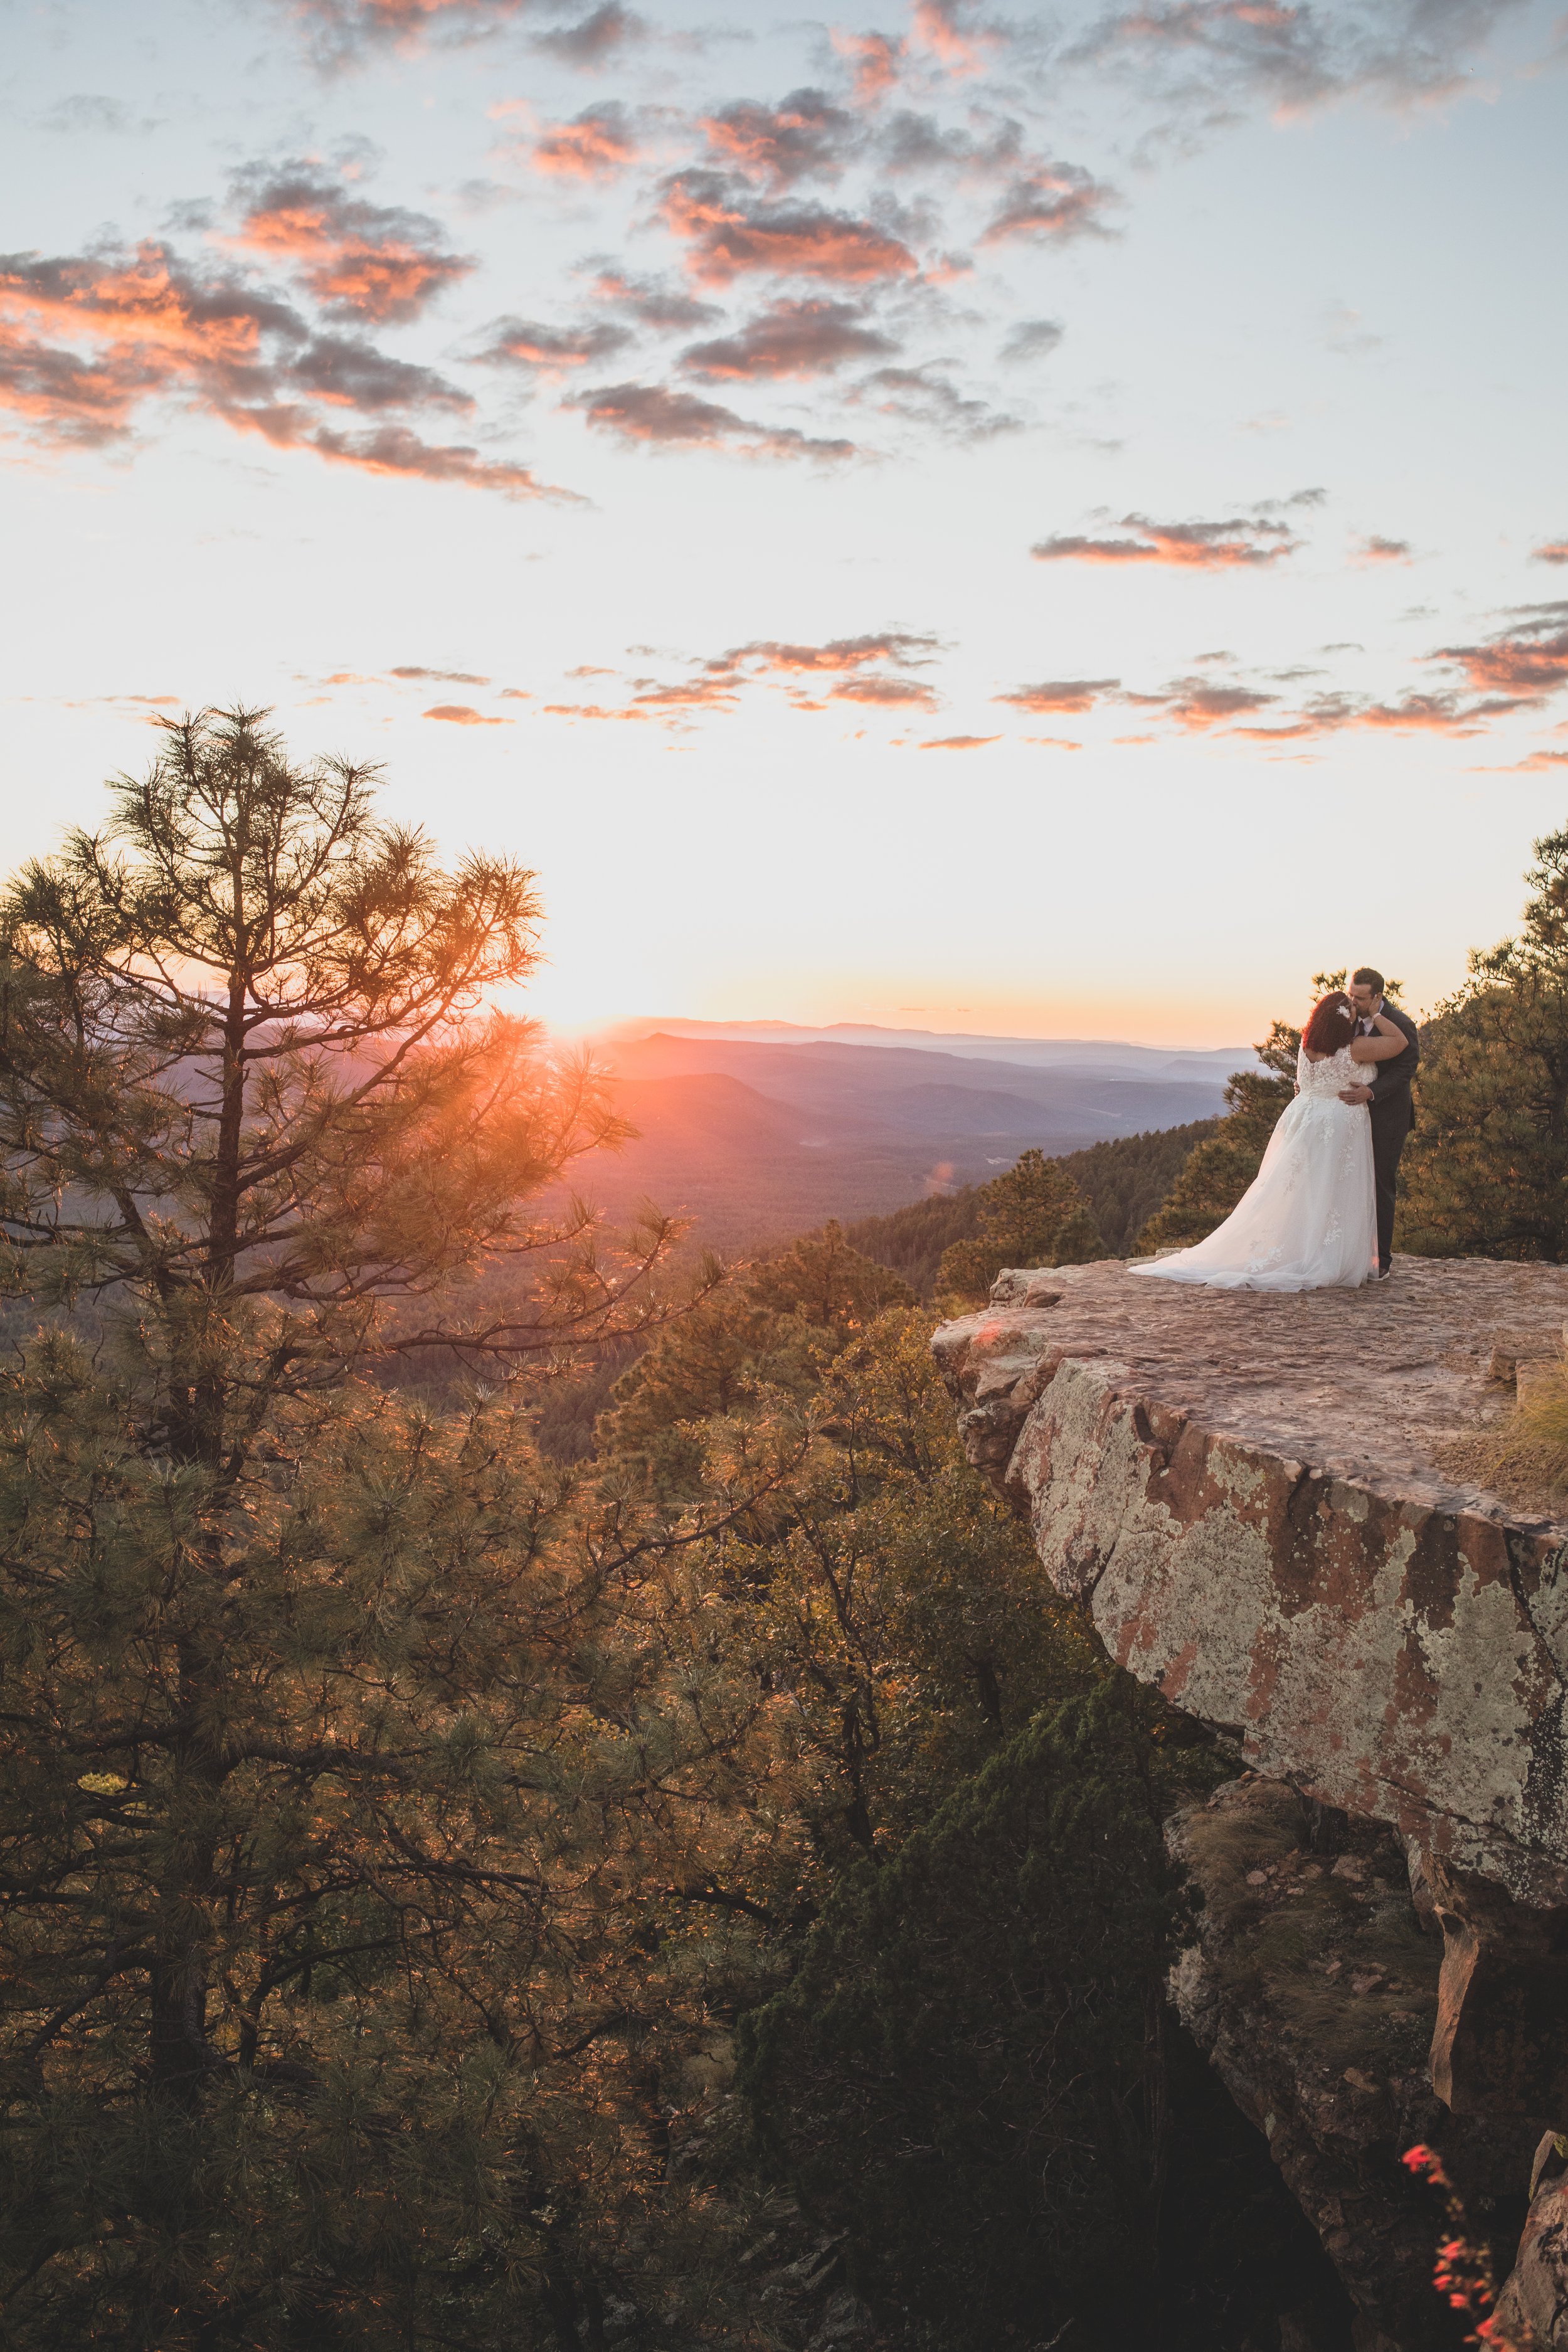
{"points": [[1308, 1219]]}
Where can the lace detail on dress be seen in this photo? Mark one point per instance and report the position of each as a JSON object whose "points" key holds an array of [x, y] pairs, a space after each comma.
{"points": [[1331, 1077], [1309, 1218]]}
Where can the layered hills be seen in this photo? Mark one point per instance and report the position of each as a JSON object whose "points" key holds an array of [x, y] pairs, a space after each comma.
{"points": [[759, 1138]]}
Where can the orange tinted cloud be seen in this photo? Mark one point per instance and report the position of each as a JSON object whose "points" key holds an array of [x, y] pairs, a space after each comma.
{"points": [[790, 339], [806, 137], [597, 144], [1051, 200], [1244, 540], [356, 260], [340, 30], [125, 331], [551, 351], [898, 693], [1196, 706], [463, 714], [654, 417], [1065, 693], [875, 60], [958, 743], [727, 236], [1528, 661], [939, 27], [1376, 549], [1551, 551], [838, 654]]}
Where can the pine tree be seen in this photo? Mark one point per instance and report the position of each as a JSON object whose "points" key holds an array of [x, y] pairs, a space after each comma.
{"points": [[1486, 1170], [1033, 1214], [957, 2076], [327, 1728]]}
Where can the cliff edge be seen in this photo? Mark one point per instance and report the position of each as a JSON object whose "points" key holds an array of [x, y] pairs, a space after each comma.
{"points": [[1248, 1494]]}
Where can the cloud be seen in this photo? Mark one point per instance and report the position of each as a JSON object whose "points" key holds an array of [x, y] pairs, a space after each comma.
{"points": [[789, 339], [727, 235], [1065, 693], [923, 395], [874, 62], [1526, 662], [910, 143], [1376, 549], [1193, 53], [550, 351], [1196, 706], [654, 416], [355, 259], [1031, 339], [396, 450], [88, 342], [1050, 201], [1241, 541], [839, 653], [463, 714], [89, 112], [947, 30], [438, 677], [1534, 764], [341, 32], [653, 302], [805, 137], [596, 146], [896, 693], [958, 743], [594, 38], [1551, 551]]}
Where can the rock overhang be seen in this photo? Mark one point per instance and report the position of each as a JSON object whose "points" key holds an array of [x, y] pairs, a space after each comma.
{"points": [[1244, 1491]]}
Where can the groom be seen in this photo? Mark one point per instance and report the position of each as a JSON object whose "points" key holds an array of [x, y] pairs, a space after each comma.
{"points": [[1393, 1113]]}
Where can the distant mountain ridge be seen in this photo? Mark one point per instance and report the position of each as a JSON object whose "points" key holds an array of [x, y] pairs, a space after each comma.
{"points": [[758, 1141], [1120, 1054]]}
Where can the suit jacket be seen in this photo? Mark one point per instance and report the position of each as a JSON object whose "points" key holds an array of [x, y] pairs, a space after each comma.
{"points": [[1391, 1105]]}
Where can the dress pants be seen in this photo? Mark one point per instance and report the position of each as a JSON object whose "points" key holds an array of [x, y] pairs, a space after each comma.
{"points": [[1391, 1123]]}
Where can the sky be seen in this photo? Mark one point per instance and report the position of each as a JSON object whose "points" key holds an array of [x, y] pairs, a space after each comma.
{"points": [[1042, 522]]}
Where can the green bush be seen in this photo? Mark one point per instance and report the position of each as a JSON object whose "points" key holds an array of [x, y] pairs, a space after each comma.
{"points": [[958, 2075]]}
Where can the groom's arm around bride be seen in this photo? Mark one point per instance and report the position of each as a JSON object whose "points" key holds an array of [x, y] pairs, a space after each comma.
{"points": [[1388, 1095]]}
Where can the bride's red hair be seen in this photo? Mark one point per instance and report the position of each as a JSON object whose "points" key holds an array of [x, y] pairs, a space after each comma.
{"points": [[1333, 1023]]}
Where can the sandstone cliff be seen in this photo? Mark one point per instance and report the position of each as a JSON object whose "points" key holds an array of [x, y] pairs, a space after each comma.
{"points": [[1246, 1494]]}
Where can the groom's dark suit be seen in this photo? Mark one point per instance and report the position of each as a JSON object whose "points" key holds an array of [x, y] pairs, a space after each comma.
{"points": [[1393, 1117]]}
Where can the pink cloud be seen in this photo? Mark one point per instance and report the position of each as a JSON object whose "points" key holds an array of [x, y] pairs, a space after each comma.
{"points": [[1064, 694], [356, 260], [1551, 551], [806, 137], [1243, 540], [875, 60], [892, 693], [958, 743], [1377, 549], [597, 144], [654, 417], [789, 339], [463, 714], [153, 327], [728, 237], [1528, 661], [837, 656], [1051, 200], [938, 26]]}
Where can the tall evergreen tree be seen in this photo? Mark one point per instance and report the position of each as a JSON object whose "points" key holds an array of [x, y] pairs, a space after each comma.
{"points": [[1486, 1171], [321, 1767], [1032, 1215]]}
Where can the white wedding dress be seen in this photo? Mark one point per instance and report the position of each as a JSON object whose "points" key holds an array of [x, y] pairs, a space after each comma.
{"points": [[1308, 1219]]}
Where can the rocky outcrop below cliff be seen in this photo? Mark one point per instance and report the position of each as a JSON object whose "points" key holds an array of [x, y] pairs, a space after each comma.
{"points": [[1246, 1494]]}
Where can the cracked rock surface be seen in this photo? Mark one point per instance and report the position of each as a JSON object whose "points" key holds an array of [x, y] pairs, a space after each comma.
{"points": [[1243, 1489], [1311, 1987]]}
